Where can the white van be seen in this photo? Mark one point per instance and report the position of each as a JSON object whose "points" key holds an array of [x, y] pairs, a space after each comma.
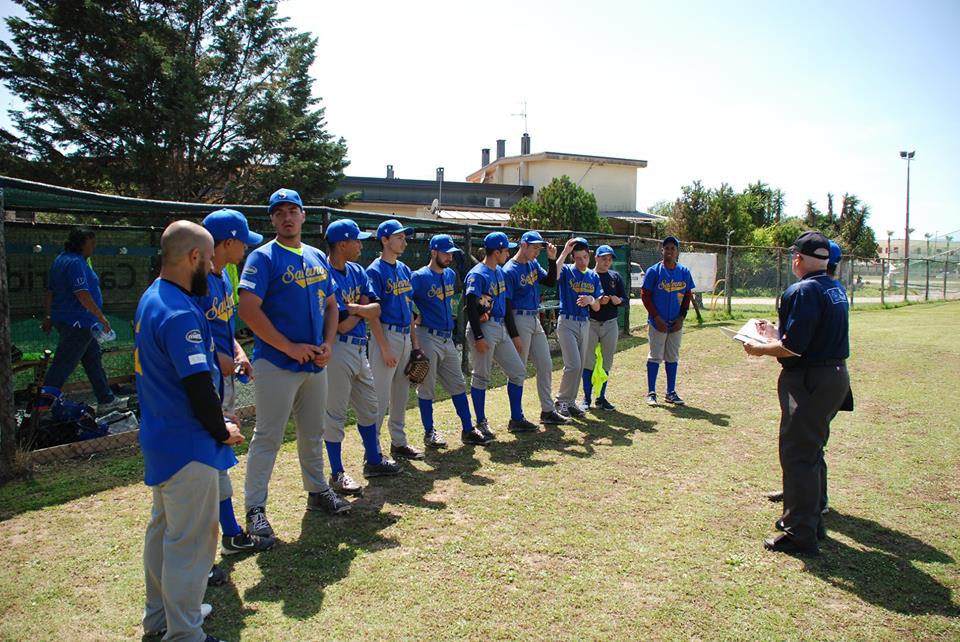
{"points": [[636, 279]]}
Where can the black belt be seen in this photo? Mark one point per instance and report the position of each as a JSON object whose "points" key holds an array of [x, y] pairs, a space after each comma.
{"points": [[819, 363]]}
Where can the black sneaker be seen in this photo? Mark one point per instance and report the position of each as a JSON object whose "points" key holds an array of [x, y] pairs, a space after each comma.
{"points": [[603, 404], [553, 417], [474, 438], [434, 440], [345, 484], [562, 408], [484, 427], [328, 501], [406, 452], [521, 425], [575, 410], [245, 543], [257, 522], [217, 576], [385, 468], [674, 398]]}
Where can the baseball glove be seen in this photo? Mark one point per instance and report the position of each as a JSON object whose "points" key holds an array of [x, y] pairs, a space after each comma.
{"points": [[418, 366]]}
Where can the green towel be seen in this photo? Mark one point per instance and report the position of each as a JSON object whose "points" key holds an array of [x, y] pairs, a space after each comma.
{"points": [[599, 374]]}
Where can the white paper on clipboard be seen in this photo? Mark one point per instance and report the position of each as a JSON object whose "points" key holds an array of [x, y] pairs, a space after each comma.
{"points": [[747, 332]]}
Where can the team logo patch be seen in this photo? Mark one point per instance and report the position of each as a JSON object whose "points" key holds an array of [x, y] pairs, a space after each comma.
{"points": [[194, 336], [250, 270], [837, 296]]}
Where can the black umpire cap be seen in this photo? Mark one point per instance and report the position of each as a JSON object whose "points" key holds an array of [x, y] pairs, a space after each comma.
{"points": [[813, 244]]}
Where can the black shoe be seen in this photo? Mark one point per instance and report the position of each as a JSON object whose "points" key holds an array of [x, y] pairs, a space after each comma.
{"points": [[775, 496], [386, 468], [344, 484], [474, 438], [562, 408], [552, 417], [406, 452], [821, 529], [217, 576], [434, 440], [784, 543], [674, 398], [484, 428], [328, 501], [245, 543], [575, 410], [257, 522], [603, 404], [521, 425]]}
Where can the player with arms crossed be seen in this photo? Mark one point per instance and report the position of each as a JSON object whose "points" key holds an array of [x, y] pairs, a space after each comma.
{"points": [[604, 328]]}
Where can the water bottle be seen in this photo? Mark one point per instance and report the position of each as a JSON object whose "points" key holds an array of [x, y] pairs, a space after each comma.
{"points": [[101, 336]]}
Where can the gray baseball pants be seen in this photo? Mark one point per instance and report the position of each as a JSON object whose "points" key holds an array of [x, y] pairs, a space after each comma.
{"points": [[178, 551], [348, 380], [572, 336], [392, 380], [278, 392], [444, 365], [606, 334], [536, 349], [500, 348]]}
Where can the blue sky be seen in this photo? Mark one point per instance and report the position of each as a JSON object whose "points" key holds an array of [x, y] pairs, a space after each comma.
{"points": [[811, 97]]}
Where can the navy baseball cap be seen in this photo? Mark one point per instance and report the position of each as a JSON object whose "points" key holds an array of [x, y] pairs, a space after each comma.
{"points": [[581, 241], [835, 253], [391, 227], [532, 238], [604, 250], [230, 224], [443, 243], [813, 244], [284, 195], [345, 230], [670, 239], [497, 241]]}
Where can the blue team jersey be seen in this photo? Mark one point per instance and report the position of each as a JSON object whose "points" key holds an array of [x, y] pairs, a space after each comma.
{"points": [[219, 308], [433, 296], [352, 284], [814, 321], [573, 283], [392, 285], [523, 283], [71, 273], [173, 341], [294, 290], [668, 288], [490, 288]]}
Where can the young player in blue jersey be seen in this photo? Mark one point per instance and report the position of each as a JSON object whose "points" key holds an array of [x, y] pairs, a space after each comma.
{"points": [[666, 294], [579, 290], [604, 329], [288, 299], [493, 335], [183, 436], [434, 286], [523, 275], [349, 378], [393, 336]]}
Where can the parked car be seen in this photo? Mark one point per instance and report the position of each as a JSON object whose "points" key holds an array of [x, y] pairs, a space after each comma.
{"points": [[636, 279]]}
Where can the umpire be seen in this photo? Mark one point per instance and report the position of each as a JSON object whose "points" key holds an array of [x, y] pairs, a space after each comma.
{"points": [[812, 344]]}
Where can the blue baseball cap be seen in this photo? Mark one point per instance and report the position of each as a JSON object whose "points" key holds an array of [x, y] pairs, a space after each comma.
{"points": [[671, 239], [532, 238], [579, 240], [345, 230], [391, 227], [443, 243], [604, 250], [497, 241], [284, 195], [230, 224], [835, 253]]}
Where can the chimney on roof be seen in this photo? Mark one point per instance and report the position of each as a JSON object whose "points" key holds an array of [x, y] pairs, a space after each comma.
{"points": [[389, 171], [525, 144], [484, 157], [501, 148]]}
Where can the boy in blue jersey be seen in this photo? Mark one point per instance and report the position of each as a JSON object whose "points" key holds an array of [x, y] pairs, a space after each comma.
{"points": [[666, 293], [231, 235], [349, 378], [392, 333], [579, 290], [493, 334], [288, 299], [434, 286], [523, 275], [183, 436]]}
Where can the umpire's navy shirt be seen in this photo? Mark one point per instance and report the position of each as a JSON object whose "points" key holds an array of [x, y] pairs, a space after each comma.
{"points": [[612, 284], [814, 321]]}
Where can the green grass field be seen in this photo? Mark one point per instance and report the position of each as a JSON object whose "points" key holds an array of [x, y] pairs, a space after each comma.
{"points": [[640, 524]]}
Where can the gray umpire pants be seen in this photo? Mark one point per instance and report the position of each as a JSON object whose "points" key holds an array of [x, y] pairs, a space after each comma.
{"points": [[606, 334], [572, 336], [391, 384], [500, 348], [444, 365], [537, 350], [349, 380], [178, 551], [278, 392]]}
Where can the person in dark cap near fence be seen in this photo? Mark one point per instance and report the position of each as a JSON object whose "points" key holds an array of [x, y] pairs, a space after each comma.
{"points": [[811, 343]]}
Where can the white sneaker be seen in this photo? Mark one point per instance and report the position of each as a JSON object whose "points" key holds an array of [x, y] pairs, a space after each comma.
{"points": [[205, 610]]}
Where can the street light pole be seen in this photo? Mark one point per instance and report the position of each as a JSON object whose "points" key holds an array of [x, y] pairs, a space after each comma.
{"points": [[907, 156]]}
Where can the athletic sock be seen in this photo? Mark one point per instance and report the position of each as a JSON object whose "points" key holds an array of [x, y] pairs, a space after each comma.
{"points": [[479, 401], [333, 453], [588, 385], [228, 521], [653, 367], [515, 395], [463, 411], [371, 445], [426, 414], [671, 369], [603, 391]]}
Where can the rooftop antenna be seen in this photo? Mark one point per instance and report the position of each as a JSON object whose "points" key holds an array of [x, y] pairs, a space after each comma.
{"points": [[523, 114]]}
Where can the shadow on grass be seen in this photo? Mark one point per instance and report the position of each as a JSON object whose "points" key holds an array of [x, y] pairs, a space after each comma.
{"points": [[884, 573], [690, 412]]}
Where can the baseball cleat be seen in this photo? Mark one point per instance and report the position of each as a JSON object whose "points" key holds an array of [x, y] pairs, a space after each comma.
{"points": [[552, 417], [345, 484], [406, 452], [245, 543], [563, 409], [484, 428], [217, 576], [651, 399], [674, 398], [521, 425], [584, 406], [328, 501], [385, 468], [575, 410], [434, 440], [474, 438], [603, 404], [257, 522]]}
